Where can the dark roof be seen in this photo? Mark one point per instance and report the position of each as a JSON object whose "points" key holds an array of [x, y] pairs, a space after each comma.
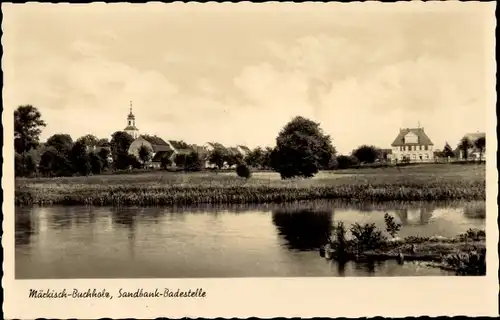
{"points": [[154, 140], [423, 139], [130, 128], [178, 144], [157, 143]]}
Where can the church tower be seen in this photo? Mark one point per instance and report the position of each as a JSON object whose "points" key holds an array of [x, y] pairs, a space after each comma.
{"points": [[131, 128]]}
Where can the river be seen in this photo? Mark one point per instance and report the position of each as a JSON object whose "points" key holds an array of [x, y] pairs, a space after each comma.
{"points": [[216, 241]]}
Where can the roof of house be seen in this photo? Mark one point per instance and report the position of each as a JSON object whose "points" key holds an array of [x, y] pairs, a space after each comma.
{"points": [[178, 144], [474, 136], [128, 128], [157, 143], [423, 139], [233, 150], [245, 148], [216, 145]]}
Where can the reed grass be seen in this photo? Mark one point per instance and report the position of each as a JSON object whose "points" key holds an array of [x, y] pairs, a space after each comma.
{"points": [[413, 183]]}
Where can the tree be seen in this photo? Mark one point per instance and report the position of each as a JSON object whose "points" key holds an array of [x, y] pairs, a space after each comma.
{"points": [[217, 157], [90, 140], [480, 144], [120, 143], [96, 163], [193, 162], [366, 154], [25, 165], [103, 155], [255, 158], [345, 162], [28, 126], [166, 161], [464, 145], [448, 151], [53, 163], [267, 158], [180, 160], [301, 149], [145, 154], [80, 159], [61, 142], [103, 142], [233, 158]]}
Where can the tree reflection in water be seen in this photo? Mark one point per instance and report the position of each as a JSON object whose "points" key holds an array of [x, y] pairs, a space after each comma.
{"points": [[475, 210], [303, 229], [24, 228]]}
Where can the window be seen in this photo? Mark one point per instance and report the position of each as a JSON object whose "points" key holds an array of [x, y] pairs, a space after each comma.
{"points": [[401, 148], [129, 123], [419, 147], [414, 156], [426, 147], [426, 156], [420, 156]]}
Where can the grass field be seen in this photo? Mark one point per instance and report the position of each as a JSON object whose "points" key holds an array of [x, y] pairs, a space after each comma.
{"points": [[419, 182]]}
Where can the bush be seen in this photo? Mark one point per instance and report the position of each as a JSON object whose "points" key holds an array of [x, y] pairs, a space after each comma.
{"points": [[391, 226], [243, 171], [346, 162], [468, 263], [367, 237]]}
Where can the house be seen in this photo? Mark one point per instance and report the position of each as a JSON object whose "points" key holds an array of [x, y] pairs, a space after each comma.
{"points": [[473, 153], [412, 145], [159, 148]]}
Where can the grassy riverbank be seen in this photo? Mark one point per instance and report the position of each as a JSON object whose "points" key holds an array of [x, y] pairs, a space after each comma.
{"points": [[412, 183]]}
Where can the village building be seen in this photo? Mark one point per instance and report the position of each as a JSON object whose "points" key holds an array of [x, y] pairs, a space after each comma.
{"points": [[473, 153], [412, 145], [161, 148], [158, 147]]}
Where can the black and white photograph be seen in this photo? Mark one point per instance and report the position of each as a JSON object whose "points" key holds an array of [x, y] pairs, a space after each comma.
{"points": [[223, 141]]}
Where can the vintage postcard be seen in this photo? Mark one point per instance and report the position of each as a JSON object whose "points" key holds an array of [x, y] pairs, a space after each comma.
{"points": [[249, 160]]}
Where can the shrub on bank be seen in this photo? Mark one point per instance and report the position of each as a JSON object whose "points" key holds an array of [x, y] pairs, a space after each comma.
{"points": [[243, 171]]}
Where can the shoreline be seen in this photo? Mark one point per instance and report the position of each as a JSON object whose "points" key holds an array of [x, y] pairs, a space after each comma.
{"points": [[174, 195], [464, 254], [413, 183]]}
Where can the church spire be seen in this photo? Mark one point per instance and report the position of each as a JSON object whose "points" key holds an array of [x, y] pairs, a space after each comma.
{"points": [[130, 113], [131, 128]]}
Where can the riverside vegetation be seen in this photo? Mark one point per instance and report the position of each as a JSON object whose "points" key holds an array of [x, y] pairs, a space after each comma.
{"points": [[413, 183], [464, 254]]}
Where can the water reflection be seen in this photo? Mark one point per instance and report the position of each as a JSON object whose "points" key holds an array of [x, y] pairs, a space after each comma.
{"points": [[303, 229], [24, 228], [279, 240], [475, 210], [419, 216]]}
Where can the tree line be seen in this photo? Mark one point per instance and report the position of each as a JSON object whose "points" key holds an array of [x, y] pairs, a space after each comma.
{"points": [[302, 149]]}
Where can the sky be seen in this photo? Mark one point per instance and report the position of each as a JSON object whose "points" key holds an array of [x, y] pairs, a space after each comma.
{"points": [[237, 73]]}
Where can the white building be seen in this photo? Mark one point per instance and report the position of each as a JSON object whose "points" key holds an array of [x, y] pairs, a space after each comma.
{"points": [[413, 145]]}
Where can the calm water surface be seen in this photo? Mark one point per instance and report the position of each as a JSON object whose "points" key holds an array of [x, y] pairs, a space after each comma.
{"points": [[244, 241]]}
